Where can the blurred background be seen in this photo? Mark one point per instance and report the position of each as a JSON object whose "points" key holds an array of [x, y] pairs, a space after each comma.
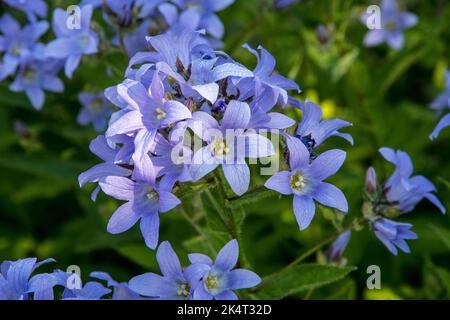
{"points": [[384, 93]]}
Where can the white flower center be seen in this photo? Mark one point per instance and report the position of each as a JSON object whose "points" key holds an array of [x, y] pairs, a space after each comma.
{"points": [[220, 148], [183, 290], [298, 182], [160, 114]]}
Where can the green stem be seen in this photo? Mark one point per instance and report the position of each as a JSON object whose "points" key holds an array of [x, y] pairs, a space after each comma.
{"points": [[196, 228], [231, 222]]}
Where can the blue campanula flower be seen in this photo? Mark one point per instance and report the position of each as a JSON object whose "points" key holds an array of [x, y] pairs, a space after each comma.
{"points": [[221, 148], [121, 290], [219, 278], [174, 284], [16, 282], [313, 131], [150, 111], [393, 23], [304, 181], [393, 234], [193, 15], [32, 8], [338, 247], [36, 76], [442, 104], [74, 42], [19, 46], [403, 191], [96, 110], [145, 200], [77, 291], [111, 166], [264, 76]]}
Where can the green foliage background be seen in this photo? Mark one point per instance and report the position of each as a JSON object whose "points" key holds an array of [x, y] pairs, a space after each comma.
{"points": [[44, 213]]}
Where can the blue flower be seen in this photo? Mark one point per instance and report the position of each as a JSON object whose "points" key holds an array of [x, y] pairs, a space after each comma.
{"points": [[393, 234], [219, 278], [96, 110], [32, 8], [442, 103], [36, 76], [221, 149], [19, 46], [121, 291], [72, 44], [111, 166], [149, 110], [313, 131], [89, 291], [16, 284], [403, 191], [304, 181], [393, 23], [264, 76], [336, 250], [174, 284], [145, 200]]}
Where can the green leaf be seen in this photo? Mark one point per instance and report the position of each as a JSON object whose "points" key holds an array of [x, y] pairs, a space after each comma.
{"points": [[442, 233], [300, 278], [252, 196]]}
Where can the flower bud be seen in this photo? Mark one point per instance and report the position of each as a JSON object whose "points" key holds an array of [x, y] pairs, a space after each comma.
{"points": [[371, 181]]}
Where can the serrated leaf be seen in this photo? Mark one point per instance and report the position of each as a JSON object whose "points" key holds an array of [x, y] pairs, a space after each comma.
{"points": [[300, 278]]}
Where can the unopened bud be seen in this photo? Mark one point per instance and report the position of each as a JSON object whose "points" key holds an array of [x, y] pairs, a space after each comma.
{"points": [[371, 181]]}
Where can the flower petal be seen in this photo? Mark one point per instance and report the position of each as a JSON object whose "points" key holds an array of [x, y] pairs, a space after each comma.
{"points": [[228, 256], [329, 195], [280, 182], [123, 219], [304, 209], [243, 279]]}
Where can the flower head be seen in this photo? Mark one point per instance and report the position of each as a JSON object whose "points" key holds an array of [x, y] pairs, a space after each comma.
{"points": [[89, 291], [313, 131], [393, 23], [305, 181], [174, 284], [74, 42], [16, 282], [393, 234], [219, 278], [32, 8], [96, 110], [145, 200], [403, 191], [19, 45]]}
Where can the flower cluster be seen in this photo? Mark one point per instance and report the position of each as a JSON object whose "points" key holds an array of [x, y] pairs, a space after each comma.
{"points": [[397, 196], [185, 90], [202, 280], [36, 65]]}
